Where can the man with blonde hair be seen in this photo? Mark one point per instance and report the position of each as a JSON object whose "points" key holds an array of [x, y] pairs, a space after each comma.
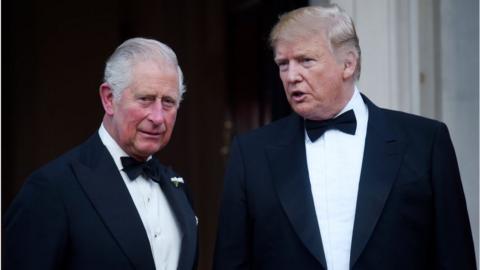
{"points": [[341, 183]]}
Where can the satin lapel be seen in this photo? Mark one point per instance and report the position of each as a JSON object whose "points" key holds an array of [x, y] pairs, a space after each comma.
{"points": [[290, 178], [185, 216], [381, 161], [103, 184]]}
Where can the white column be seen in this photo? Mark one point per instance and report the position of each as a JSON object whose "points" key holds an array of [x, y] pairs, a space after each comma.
{"points": [[388, 32], [421, 56], [458, 81]]}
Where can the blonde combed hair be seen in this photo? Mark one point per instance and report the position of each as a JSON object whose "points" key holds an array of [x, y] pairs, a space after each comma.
{"points": [[331, 22]]}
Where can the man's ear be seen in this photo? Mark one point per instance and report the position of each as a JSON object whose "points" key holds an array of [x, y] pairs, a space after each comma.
{"points": [[106, 95], [349, 65]]}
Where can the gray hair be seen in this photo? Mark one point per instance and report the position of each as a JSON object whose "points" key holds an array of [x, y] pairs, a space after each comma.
{"points": [[118, 69], [331, 21]]}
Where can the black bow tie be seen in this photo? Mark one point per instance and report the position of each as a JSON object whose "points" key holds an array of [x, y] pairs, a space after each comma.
{"points": [[345, 122], [133, 168]]}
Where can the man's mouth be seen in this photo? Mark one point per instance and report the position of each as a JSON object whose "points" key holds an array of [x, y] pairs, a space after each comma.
{"points": [[150, 134], [297, 95]]}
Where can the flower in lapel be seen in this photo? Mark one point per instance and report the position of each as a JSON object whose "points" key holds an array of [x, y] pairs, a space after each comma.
{"points": [[176, 181]]}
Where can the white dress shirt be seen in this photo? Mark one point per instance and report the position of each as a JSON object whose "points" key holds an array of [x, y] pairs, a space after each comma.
{"points": [[334, 163], [157, 216]]}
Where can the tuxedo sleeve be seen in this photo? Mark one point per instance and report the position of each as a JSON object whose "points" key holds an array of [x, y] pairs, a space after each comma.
{"points": [[453, 243], [232, 250], [35, 229]]}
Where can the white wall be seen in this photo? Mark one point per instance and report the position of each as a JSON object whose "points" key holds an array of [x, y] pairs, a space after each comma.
{"points": [[458, 81], [388, 35], [421, 56]]}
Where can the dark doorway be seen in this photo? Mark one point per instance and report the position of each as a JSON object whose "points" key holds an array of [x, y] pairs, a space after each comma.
{"points": [[53, 55]]}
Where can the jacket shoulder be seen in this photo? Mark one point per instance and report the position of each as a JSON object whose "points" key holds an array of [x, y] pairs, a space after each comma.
{"points": [[60, 168], [411, 122], [272, 131]]}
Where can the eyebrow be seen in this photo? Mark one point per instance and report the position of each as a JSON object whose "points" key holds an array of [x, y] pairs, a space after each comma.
{"points": [[300, 55]]}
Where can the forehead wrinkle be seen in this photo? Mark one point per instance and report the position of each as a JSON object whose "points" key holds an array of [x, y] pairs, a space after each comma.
{"points": [[299, 51]]}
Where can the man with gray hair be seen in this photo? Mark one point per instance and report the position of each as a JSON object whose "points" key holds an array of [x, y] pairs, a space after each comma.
{"points": [[341, 183], [109, 203]]}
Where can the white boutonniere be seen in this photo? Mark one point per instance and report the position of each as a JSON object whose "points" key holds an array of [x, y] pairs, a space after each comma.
{"points": [[176, 181]]}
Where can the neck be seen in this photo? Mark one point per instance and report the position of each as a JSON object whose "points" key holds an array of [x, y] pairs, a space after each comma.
{"points": [[108, 125], [338, 104]]}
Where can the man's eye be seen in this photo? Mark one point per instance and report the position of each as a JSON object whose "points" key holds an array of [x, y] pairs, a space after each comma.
{"points": [[282, 66], [146, 98], [308, 62], [168, 102]]}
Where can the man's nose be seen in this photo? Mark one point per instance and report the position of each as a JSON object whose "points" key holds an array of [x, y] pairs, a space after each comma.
{"points": [[157, 113], [293, 74]]}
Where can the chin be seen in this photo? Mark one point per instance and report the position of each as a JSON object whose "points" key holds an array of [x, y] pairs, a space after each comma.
{"points": [[148, 150], [302, 112]]}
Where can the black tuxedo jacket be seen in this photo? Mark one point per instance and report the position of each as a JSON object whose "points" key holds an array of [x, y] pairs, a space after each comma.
{"points": [[410, 213], [77, 213]]}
